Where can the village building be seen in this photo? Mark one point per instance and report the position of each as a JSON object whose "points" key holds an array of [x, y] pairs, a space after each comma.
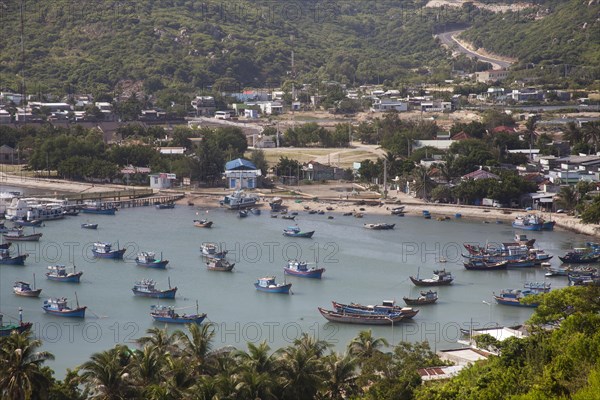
{"points": [[242, 174]]}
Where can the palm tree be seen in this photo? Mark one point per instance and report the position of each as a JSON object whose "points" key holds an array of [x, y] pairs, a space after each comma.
{"points": [[106, 374], [365, 346], [568, 197], [591, 133], [257, 357], [573, 134], [342, 375], [147, 366], [196, 347], [21, 374], [423, 184], [160, 340]]}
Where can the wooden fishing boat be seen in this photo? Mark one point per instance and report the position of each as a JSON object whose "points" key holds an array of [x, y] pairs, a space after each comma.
{"points": [[514, 297], [428, 297], [267, 284], [167, 314], [243, 213], [7, 259], [202, 223], [19, 236], [360, 319], [102, 209], [211, 250], [301, 268], [34, 222], [386, 307], [59, 307], [89, 226], [7, 329], [24, 289], [216, 264], [290, 217], [482, 265], [582, 255], [398, 210], [105, 250], [294, 231], [148, 259], [380, 226], [59, 273], [165, 206], [147, 288], [522, 240], [440, 277]]}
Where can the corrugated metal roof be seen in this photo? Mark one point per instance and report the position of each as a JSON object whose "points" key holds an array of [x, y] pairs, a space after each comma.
{"points": [[239, 163]]}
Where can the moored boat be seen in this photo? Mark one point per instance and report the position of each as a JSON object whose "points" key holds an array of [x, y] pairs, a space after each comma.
{"points": [[34, 222], [7, 328], [482, 265], [7, 259], [440, 277], [211, 250], [102, 209], [267, 284], [243, 213], [386, 307], [514, 297], [59, 307], [19, 236], [59, 273], [528, 222], [239, 199], [301, 268], [167, 314], [581, 255], [522, 240], [428, 297], [105, 250], [89, 226], [148, 259], [165, 206], [24, 289], [379, 226], [397, 210], [216, 264], [147, 288], [202, 223], [361, 319], [294, 231]]}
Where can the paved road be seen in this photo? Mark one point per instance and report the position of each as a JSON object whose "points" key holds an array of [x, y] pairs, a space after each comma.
{"points": [[447, 38]]}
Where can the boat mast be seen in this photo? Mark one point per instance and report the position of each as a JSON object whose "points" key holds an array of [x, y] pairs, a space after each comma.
{"points": [[34, 281], [76, 300]]}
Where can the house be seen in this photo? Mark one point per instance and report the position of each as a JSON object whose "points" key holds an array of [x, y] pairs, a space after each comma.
{"points": [[462, 135], [436, 106], [172, 150], [162, 180], [382, 105], [479, 174], [5, 117], [52, 107], [491, 75], [263, 142], [7, 97], [268, 107], [241, 174], [527, 94], [8, 155], [504, 129], [314, 171], [251, 114], [204, 105]]}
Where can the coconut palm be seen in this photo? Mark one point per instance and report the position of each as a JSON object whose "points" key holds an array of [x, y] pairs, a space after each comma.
{"points": [[106, 374], [21, 374], [567, 197], [342, 375], [147, 365], [160, 340], [423, 184], [591, 133], [197, 346], [365, 346], [257, 357]]}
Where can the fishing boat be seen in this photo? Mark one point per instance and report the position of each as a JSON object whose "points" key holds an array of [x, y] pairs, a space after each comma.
{"points": [[566, 270], [522, 240], [202, 223], [294, 231], [59, 273], [580, 255], [255, 211], [19, 236], [583, 279], [5, 246], [89, 226], [440, 277], [98, 208], [428, 297], [168, 315], [528, 223], [397, 210], [514, 297], [7, 259], [243, 213], [71, 212], [482, 265], [147, 288], [7, 329], [537, 287], [24, 289], [212, 250], [386, 307], [219, 265], [165, 206], [276, 204], [290, 217], [59, 307], [426, 214], [361, 319], [149, 260], [301, 268], [238, 199], [34, 222], [105, 250], [380, 226], [267, 284]]}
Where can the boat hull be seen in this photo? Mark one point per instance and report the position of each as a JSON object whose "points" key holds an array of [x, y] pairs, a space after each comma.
{"points": [[485, 267], [6, 330], [180, 320], [307, 235], [89, 226], [16, 260], [284, 289], [163, 294], [314, 274], [514, 303], [359, 319], [25, 238], [530, 227], [116, 254], [158, 264], [420, 282], [29, 293], [203, 225], [34, 223], [71, 278], [579, 260], [76, 313], [417, 302], [108, 211]]}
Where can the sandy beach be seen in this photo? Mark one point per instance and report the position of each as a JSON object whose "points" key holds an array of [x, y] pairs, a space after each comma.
{"points": [[304, 200]]}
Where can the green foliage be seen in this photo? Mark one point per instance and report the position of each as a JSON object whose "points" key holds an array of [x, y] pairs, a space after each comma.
{"points": [[311, 134], [591, 212], [286, 167]]}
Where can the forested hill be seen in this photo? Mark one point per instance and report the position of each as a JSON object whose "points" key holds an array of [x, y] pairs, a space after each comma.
{"points": [[186, 45]]}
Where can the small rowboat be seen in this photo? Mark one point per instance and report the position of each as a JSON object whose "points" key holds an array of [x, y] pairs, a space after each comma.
{"points": [[89, 226], [202, 223]]}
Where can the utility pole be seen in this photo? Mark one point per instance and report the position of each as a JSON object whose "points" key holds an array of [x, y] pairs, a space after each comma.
{"points": [[384, 178]]}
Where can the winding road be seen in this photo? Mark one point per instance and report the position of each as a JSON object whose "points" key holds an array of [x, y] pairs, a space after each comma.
{"points": [[448, 39]]}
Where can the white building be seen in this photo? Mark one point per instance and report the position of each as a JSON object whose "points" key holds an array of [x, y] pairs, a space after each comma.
{"points": [[162, 180], [382, 105]]}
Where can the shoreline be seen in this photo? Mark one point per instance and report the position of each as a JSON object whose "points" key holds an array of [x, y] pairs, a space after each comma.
{"points": [[209, 198]]}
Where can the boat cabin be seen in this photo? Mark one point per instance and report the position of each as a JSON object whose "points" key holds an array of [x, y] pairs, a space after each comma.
{"points": [[298, 265], [388, 303], [268, 281], [57, 304], [22, 286], [146, 257], [102, 247], [58, 270], [145, 285]]}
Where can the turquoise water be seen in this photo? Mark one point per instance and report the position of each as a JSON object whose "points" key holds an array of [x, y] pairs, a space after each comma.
{"points": [[362, 266]]}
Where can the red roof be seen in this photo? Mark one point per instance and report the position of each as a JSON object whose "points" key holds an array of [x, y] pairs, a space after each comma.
{"points": [[503, 129], [480, 174], [460, 136]]}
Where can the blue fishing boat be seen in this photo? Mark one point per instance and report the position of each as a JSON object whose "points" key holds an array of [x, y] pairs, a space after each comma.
{"points": [[59, 307], [34, 222], [149, 260], [147, 288], [294, 231], [528, 223], [89, 226], [301, 268], [7, 329], [7, 259], [59, 273], [168, 315], [386, 307], [580, 255], [267, 284], [514, 297], [426, 214], [98, 208], [165, 206], [105, 250]]}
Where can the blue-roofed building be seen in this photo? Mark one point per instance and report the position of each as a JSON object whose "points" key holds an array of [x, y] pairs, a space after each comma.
{"points": [[241, 174]]}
